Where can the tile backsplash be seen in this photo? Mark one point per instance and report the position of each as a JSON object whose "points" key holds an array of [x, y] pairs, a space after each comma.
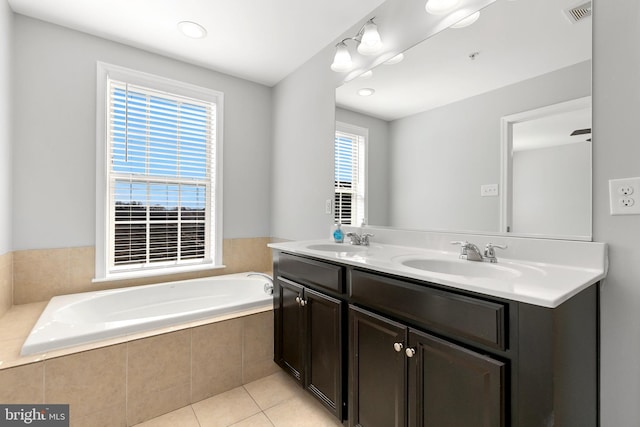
{"points": [[6, 282], [40, 274]]}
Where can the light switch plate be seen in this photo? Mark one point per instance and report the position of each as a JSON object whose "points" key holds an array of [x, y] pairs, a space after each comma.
{"points": [[624, 196]]}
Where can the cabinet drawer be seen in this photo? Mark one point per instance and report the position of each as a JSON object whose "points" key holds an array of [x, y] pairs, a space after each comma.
{"points": [[312, 273], [439, 311]]}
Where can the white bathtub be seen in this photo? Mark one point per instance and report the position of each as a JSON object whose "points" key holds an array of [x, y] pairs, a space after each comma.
{"points": [[75, 319]]}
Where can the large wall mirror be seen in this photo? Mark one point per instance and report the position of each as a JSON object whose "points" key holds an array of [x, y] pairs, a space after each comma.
{"points": [[444, 125]]}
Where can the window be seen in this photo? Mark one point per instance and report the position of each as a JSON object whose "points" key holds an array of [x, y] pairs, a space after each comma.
{"points": [[158, 143], [350, 200]]}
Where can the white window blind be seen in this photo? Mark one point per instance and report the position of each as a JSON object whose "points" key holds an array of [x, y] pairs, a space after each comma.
{"points": [[161, 170], [349, 175]]}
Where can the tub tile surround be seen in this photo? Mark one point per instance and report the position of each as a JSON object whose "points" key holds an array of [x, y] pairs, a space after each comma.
{"points": [[40, 274], [131, 382], [91, 383], [216, 351], [6, 282], [158, 375]]}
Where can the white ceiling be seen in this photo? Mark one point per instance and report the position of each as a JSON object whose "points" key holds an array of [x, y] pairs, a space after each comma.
{"points": [[515, 40], [552, 130], [258, 40]]}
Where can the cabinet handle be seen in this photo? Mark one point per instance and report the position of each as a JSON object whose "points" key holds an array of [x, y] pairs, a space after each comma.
{"points": [[410, 352], [398, 346]]}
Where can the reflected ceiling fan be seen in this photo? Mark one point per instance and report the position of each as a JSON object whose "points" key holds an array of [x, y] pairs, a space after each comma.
{"points": [[586, 131]]}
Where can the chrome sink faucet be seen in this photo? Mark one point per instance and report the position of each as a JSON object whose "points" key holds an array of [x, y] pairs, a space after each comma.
{"points": [[360, 239], [471, 252], [490, 253]]}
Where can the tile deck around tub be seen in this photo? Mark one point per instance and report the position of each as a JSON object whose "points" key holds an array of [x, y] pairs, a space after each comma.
{"points": [[16, 324], [273, 401]]}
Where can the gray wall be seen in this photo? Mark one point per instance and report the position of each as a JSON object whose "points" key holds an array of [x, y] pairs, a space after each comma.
{"points": [[6, 34], [550, 195], [55, 134], [302, 157], [377, 168], [441, 157], [616, 107]]}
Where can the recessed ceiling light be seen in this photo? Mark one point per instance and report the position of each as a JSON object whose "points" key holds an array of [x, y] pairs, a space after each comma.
{"points": [[192, 29], [366, 91], [366, 75]]}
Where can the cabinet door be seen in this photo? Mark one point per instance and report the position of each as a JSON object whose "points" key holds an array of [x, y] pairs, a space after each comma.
{"points": [[377, 388], [323, 376], [290, 328], [452, 386]]}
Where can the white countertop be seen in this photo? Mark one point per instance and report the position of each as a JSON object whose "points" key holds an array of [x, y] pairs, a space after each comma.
{"points": [[545, 284]]}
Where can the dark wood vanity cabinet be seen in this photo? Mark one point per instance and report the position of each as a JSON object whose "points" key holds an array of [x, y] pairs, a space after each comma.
{"points": [[309, 340], [377, 371], [400, 376], [380, 350], [450, 385], [403, 376]]}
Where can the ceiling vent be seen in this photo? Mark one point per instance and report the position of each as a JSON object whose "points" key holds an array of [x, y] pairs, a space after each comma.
{"points": [[578, 13]]}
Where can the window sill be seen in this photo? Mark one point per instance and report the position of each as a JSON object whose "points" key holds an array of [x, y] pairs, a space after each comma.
{"points": [[127, 275]]}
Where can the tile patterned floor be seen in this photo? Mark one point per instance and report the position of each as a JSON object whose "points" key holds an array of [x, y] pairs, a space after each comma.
{"points": [[273, 401]]}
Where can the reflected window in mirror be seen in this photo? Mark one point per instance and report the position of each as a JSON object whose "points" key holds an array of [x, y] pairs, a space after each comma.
{"points": [[350, 169]]}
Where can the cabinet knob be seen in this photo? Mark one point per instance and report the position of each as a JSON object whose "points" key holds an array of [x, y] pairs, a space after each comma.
{"points": [[410, 352], [299, 300], [398, 346], [303, 302]]}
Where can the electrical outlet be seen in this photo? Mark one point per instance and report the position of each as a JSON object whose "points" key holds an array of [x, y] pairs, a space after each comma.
{"points": [[622, 196], [489, 190], [627, 202], [327, 206], [625, 190]]}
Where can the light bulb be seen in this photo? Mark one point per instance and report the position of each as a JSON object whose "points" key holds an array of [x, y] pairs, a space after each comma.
{"points": [[441, 7], [366, 91], [370, 43], [342, 59], [192, 29], [467, 21], [399, 57]]}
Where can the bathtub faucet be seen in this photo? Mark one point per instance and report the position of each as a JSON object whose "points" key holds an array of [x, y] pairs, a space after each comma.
{"points": [[268, 287]]}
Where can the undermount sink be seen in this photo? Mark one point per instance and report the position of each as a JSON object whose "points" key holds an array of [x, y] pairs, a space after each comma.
{"points": [[337, 247], [462, 268]]}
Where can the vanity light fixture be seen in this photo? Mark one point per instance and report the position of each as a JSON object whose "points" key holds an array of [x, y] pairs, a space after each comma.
{"points": [[441, 7], [467, 21], [342, 59], [369, 43], [192, 29], [366, 91]]}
